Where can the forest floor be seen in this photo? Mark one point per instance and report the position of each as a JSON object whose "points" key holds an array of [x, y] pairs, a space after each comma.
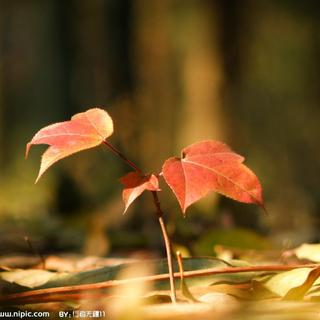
{"points": [[238, 284]]}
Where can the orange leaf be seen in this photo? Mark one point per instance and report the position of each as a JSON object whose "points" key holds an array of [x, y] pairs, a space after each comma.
{"points": [[85, 130], [135, 184], [211, 166]]}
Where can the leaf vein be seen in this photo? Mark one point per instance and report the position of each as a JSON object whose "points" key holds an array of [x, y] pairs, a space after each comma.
{"points": [[227, 178]]}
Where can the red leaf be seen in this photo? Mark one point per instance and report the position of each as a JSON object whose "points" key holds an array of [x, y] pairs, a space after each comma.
{"points": [[135, 184], [211, 166], [85, 130]]}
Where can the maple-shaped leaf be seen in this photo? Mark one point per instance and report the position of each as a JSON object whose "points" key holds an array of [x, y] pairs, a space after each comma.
{"points": [[134, 184], [85, 130], [211, 166]]}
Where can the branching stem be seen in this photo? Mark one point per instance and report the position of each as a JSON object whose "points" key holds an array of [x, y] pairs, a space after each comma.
{"points": [[160, 219], [120, 155]]}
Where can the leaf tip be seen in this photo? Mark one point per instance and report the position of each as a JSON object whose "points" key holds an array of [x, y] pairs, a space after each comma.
{"points": [[38, 178], [183, 209], [126, 203]]}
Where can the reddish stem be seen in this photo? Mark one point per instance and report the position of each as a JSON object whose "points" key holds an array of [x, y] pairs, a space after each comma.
{"points": [[160, 218], [124, 158]]}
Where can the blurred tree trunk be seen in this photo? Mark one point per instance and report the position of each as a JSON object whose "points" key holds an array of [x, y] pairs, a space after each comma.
{"points": [[179, 76], [177, 42], [154, 71], [197, 35], [155, 96]]}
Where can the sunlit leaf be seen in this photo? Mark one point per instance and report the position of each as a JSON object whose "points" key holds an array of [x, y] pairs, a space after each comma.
{"points": [[211, 166], [299, 292], [283, 282], [30, 278], [135, 184], [85, 130]]}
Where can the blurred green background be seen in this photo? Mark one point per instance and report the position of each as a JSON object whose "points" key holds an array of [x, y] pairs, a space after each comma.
{"points": [[170, 73]]}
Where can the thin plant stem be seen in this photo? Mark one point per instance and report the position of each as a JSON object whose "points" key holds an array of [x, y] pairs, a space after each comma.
{"points": [[183, 286], [160, 219], [167, 244], [120, 155], [36, 252], [180, 264]]}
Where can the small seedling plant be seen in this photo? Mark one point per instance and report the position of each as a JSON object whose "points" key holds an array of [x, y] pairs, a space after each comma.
{"points": [[202, 167]]}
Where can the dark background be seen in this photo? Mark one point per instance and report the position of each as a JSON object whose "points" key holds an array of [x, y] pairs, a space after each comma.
{"points": [[169, 72]]}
